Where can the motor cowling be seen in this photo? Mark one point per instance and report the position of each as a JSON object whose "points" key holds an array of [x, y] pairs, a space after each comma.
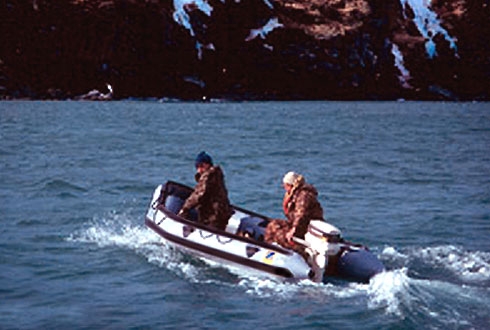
{"points": [[323, 241], [324, 238]]}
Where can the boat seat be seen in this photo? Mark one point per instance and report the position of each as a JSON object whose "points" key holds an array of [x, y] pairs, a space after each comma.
{"points": [[174, 203], [253, 227]]}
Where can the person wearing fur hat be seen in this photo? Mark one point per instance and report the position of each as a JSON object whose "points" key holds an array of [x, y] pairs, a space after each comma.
{"points": [[210, 196], [300, 205]]}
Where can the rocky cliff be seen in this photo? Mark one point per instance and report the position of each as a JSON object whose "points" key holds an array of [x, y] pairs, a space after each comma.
{"points": [[246, 49]]}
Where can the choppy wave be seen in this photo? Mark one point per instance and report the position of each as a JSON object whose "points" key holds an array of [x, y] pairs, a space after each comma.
{"points": [[58, 184], [118, 230], [59, 187], [471, 267], [394, 291]]}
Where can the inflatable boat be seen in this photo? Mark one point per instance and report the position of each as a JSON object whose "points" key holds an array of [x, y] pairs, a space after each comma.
{"points": [[242, 243]]}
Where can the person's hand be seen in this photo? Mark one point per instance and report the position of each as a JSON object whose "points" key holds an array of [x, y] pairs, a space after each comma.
{"points": [[290, 234]]}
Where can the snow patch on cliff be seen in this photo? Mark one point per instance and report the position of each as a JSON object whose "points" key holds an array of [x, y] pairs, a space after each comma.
{"points": [[404, 76], [428, 24], [268, 4], [272, 24], [181, 16]]}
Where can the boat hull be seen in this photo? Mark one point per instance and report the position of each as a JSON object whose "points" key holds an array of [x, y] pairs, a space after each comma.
{"points": [[255, 258], [359, 265]]}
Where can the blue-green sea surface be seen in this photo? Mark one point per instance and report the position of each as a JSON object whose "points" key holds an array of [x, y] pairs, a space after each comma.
{"points": [[411, 180]]}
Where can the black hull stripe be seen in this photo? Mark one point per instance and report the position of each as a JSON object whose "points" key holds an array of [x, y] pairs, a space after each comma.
{"points": [[181, 220], [278, 271]]}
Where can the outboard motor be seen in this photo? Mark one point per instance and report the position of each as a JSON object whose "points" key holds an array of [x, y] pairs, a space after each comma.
{"points": [[323, 240], [324, 245]]}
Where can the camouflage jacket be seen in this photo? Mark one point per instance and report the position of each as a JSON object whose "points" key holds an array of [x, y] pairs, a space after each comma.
{"points": [[302, 207], [210, 199]]}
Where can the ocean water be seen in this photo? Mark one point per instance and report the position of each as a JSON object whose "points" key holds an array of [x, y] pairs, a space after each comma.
{"points": [[411, 180]]}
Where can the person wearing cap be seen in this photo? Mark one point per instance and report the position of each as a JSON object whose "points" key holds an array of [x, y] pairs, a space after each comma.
{"points": [[300, 205], [210, 196]]}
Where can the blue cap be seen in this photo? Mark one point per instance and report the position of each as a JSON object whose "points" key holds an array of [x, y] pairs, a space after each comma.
{"points": [[203, 157]]}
